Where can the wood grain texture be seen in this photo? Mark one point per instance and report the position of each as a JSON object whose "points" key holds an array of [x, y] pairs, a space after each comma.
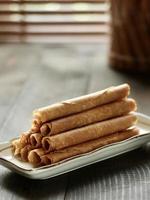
{"points": [[13, 75], [35, 75], [124, 177]]}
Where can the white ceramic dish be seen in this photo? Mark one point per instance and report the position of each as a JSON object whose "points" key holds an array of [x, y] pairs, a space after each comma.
{"points": [[25, 169]]}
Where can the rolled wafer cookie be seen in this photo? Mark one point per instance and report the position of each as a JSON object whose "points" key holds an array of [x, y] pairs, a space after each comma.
{"points": [[79, 104], [97, 114], [35, 128], [34, 156], [35, 140], [25, 151], [87, 133], [25, 138], [56, 156], [16, 147]]}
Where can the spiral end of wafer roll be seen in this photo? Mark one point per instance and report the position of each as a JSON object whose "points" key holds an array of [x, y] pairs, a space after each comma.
{"points": [[35, 140], [45, 130], [46, 144], [34, 156], [25, 138], [36, 121]]}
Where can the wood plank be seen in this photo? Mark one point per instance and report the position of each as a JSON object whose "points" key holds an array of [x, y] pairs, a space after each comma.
{"points": [[11, 80]]}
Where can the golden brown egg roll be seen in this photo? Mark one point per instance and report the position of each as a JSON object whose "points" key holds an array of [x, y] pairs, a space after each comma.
{"points": [[25, 138], [56, 156], [35, 140], [91, 116], [80, 104], [87, 133], [25, 151], [34, 156], [16, 147]]}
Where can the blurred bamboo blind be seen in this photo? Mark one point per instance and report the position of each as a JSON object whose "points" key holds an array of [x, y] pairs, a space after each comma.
{"points": [[54, 20]]}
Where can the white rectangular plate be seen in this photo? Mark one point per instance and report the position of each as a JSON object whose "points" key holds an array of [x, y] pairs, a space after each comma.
{"points": [[111, 150]]}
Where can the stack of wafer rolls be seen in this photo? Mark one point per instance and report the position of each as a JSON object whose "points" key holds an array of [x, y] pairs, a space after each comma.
{"points": [[77, 126]]}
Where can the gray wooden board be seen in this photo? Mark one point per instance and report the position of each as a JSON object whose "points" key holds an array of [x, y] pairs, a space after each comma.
{"points": [[36, 75]]}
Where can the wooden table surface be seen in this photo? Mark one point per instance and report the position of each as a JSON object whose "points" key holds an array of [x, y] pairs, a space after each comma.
{"points": [[32, 76]]}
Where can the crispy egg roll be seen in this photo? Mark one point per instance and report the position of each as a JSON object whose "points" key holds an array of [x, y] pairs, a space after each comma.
{"points": [[35, 128], [16, 147], [35, 140], [34, 156], [25, 138], [80, 104], [97, 114], [25, 151], [56, 156], [86, 133]]}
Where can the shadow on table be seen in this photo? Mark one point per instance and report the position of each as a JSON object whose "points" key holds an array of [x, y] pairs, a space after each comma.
{"points": [[21, 187], [55, 187]]}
